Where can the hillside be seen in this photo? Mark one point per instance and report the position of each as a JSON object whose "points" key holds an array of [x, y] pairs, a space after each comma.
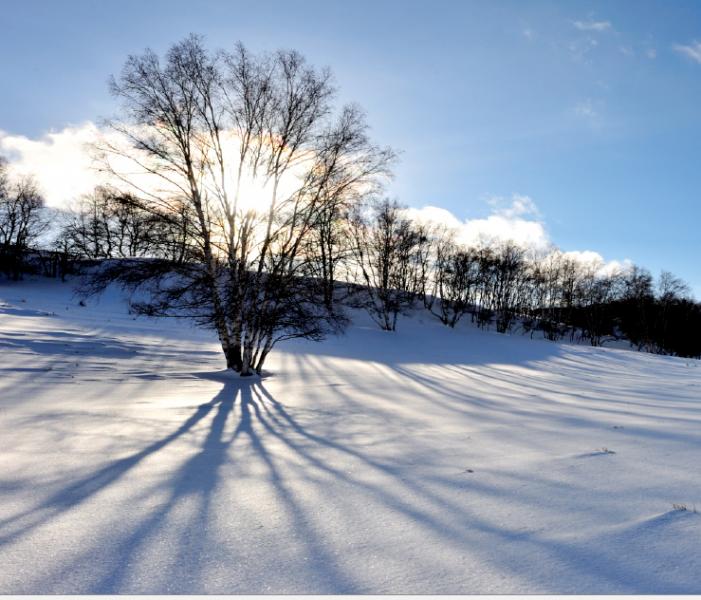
{"points": [[426, 460]]}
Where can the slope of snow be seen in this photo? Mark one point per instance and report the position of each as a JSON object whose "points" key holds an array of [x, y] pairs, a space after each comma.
{"points": [[426, 460]]}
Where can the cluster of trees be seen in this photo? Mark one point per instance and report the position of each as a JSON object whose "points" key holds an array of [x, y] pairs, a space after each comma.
{"points": [[108, 223], [246, 201], [402, 264], [22, 220]]}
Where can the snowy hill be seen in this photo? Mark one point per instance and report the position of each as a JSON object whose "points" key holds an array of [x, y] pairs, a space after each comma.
{"points": [[426, 460]]}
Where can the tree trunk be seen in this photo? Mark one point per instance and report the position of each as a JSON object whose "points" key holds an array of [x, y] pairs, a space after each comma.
{"points": [[247, 356], [236, 360], [263, 354], [233, 357]]}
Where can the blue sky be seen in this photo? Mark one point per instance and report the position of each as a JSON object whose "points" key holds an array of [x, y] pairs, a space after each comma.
{"points": [[591, 109]]}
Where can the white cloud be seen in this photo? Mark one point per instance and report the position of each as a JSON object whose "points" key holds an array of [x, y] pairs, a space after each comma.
{"points": [[651, 53], [434, 215], [599, 26], [596, 261], [592, 113], [585, 109], [692, 51], [60, 161], [509, 221], [585, 257], [499, 228], [518, 207], [65, 165], [515, 220]]}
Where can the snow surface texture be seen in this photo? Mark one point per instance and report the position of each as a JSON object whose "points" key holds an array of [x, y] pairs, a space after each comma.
{"points": [[426, 460]]}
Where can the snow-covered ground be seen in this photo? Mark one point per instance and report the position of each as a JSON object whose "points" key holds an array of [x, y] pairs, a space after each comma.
{"points": [[426, 460]]}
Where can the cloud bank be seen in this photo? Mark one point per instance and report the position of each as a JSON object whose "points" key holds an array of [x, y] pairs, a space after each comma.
{"points": [[514, 220], [60, 161], [64, 168], [517, 220]]}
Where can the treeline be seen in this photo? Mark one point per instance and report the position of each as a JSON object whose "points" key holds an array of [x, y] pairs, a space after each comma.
{"points": [[250, 204], [513, 288], [374, 257]]}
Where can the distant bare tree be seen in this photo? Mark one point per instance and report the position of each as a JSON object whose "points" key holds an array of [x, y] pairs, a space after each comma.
{"points": [[672, 293], [595, 293], [107, 223], [384, 247], [456, 275], [671, 288], [507, 278], [343, 187], [22, 219], [87, 230], [637, 297], [4, 177]]}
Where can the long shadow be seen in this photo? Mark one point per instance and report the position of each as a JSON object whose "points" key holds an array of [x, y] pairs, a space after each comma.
{"points": [[91, 350], [436, 345], [197, 477], [263, 419], [86, 487], [195, 481], [579, 559], [322, 561]]}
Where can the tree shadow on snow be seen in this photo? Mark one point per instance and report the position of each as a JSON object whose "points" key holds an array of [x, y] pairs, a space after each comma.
{"points": [[245, 424], [194, 482]]}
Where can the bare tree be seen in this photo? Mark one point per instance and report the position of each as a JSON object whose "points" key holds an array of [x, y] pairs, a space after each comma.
{"points": [[456, 275], [107, 223], [637, 297], [342, 186], [243, 149], [22, 219], [671, 288], [672, 292], [384, 247], [87, 230], [4, 177]]}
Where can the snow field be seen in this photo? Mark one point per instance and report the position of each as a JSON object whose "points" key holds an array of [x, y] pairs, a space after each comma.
{"points": [[426, 460]]}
